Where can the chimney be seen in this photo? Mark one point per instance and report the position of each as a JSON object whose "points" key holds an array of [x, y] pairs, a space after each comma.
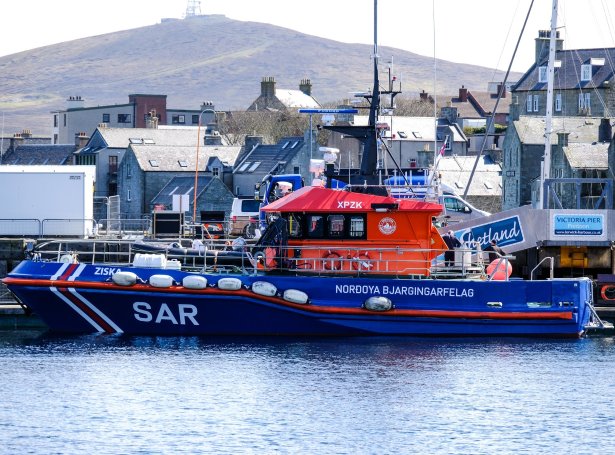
{"points": [[81, 139], [562, 139], [252, 141], [75, 102], [542, 45], [605, 131], [151, 121], [26, 133], [463, 94], [268, 87], [306, 87], [424, 96]]}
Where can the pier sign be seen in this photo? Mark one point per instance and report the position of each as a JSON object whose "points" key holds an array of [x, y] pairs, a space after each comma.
{"points": [[578, 224], [506, 231]]}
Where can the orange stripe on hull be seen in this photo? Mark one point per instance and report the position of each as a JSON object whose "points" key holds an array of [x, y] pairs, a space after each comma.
{"points": [[510, 315]]}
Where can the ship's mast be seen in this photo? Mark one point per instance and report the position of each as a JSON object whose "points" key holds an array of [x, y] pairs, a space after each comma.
{"points": [[546, 164]]}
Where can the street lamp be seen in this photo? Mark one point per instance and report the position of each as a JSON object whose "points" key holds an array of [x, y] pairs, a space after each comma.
{"points": [[196, 169]]}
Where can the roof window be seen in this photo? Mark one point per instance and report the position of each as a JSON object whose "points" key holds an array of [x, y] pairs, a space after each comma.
{"points": [[182, 163], [153, 163]]}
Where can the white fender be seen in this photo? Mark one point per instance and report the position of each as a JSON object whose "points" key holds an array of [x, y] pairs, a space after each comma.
{"points": [[229, 284], [377, 303], [161, 281], [68, 258], [173, 264], [295, 296], [194, 282], [264, 288], [124, 278]]}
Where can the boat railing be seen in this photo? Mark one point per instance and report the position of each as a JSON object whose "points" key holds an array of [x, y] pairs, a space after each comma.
{"points": [[321, 260], [124, 228], [551, 267]]}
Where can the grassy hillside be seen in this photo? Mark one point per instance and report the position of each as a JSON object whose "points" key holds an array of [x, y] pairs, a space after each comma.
{"points": [[202, 58]]}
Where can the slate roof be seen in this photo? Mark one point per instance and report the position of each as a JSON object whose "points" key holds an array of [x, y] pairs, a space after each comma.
{"points": [[180, 185], [568, 75], [483, 104], [264, 157], [123, 137], [45, 154], [531, 130], [588, 156], [487, 181], [181, 158], [419, 129]]}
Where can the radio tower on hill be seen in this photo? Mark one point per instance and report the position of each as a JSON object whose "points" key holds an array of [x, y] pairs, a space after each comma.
{"points": [[193, 8]]}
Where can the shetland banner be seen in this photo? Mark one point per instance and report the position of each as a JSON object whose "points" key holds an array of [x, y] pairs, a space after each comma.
{"points": [[578, 224], [505, 232]]}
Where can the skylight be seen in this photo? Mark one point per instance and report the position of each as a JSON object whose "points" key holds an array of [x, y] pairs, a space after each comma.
{"points": [[148, 141], [254, 166], [244, 166], [135, 140], [153, 163], [182, 163]]}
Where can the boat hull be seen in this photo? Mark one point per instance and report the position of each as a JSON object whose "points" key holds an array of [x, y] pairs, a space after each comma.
{"points": [[83, 298]]}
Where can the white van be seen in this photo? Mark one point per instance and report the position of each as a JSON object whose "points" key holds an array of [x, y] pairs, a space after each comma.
{"points": [[457, 209], [242, 211]]}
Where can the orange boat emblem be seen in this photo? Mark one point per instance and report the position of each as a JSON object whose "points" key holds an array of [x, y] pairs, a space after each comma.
{"points": [[387, 226]]}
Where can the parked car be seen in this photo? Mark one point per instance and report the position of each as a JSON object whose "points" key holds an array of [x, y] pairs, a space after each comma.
{"points": [[241, 212]]}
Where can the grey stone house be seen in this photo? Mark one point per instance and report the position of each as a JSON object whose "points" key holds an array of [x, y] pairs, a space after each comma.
{"points": [[579, 149], [147, 168], [291, 155], [41, 154], [583, 81], [212, 195]]}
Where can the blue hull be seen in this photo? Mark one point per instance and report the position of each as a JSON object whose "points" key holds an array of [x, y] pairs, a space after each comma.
{"points": [[82, 298]]}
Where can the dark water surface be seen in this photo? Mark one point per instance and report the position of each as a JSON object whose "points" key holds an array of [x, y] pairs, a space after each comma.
{"points": [[145, 395]]}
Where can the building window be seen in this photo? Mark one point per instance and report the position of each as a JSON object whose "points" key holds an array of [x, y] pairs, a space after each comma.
{"points": [[296, 170], [215, 171], [128, 171], [153, 163], [558, 102], [112, 164], [64, 119], [123, 118], [529, 103], [55, 121], [183, 163], [178, 119], [106, 118], [586, 72], [112, 189], [128, 196], [584, 103], [542, 74], [195, 119], [535, 103]]}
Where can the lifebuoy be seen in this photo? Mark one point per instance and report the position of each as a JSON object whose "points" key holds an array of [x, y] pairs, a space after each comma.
{"points": [[332, 260], [362, 262], [607, 292]]}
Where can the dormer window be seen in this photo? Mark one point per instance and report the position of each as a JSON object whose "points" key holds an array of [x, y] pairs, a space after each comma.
{"points": [[542, 74], [586, 73]]}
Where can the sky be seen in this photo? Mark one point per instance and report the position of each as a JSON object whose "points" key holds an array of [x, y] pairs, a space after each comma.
{"points": [[479, 32]]}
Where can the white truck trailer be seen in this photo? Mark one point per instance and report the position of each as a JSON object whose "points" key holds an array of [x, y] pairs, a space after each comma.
{"points": [[47, 200]]}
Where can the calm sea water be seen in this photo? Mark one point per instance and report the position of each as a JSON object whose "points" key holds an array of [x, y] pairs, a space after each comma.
{"points": [[149, 395]]}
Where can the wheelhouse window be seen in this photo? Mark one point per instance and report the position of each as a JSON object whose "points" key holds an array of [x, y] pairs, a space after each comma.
{"points": [[336, 226], [315, 225], [357, 226], [295, 229]]}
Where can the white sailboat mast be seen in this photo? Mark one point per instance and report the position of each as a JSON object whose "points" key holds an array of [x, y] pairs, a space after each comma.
{"points": [[546, 165]]}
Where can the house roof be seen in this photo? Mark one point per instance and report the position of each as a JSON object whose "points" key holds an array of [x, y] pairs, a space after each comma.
{"points": [[123, 137], [180, 186], [295, 98], [480, 104], [420, 129], [531, 130], [163, 158], [264, 157], [45, 154], [568, 75], [588, 156], [487, 180]]}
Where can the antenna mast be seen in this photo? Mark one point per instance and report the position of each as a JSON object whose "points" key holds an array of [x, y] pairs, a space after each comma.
{"points": [[193, 8]]}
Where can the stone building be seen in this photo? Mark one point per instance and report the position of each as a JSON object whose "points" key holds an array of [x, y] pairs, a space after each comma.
{"points": [[278, 99]]}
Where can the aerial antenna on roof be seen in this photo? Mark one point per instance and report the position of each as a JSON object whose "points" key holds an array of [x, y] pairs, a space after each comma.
{"points": [[193, 8]]}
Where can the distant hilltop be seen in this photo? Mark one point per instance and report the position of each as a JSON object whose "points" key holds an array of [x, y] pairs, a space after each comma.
{"points": [[206, 57]]}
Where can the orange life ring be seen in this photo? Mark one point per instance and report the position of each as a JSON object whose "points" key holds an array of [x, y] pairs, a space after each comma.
{"points": [[362, 262], [607, 292], [332, 260]]}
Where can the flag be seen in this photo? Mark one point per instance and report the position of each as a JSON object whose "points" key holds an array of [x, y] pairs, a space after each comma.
{"points": [[443, 148]]}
